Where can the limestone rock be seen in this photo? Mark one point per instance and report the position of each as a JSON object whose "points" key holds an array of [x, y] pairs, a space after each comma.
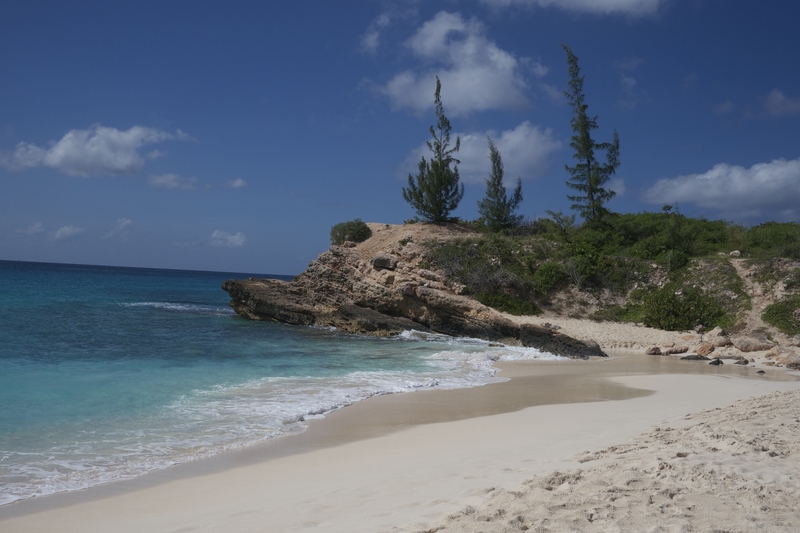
{"points": [[705, 349], [753, 343], [384, 261], [653, 350], [676, 350]]}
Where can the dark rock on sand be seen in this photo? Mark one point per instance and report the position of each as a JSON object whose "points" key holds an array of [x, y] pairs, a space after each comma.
{"points": [[694, 357], [716, 362]]}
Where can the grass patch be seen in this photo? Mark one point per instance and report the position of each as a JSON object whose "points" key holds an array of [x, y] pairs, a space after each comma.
{"points": [[780, 315]]}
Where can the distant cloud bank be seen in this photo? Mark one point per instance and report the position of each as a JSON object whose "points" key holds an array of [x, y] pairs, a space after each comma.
{"points": [[65, 232], [630, 7], [770, 189], [223, 238], [99, 151]]}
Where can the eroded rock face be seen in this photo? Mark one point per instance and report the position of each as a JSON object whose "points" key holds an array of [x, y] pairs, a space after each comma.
{"points": [[385, 294]]}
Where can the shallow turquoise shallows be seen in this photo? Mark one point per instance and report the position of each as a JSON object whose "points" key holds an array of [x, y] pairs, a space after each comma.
{"points": [[107, 373]]}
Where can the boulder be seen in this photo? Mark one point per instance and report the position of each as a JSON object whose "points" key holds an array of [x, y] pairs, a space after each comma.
{"points": [[653, 350], [694, 357], [753, 343], [719, 342], [676, 350], [742, 361], [716, 362], [705, 349], [384, 261]]}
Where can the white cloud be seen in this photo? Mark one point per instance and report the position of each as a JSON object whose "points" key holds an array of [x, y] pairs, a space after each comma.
{"points": [[237, 183], [122, 225], [476, 74], [93, 152], [223, 238], [65, 232], [763, 188], [618, 186], [33, 229], [778, 104], [630, 7], [370, 41], [171, 181], [524, 149]]}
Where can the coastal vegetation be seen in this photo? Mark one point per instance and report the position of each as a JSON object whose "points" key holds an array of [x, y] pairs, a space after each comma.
{"points": [[436, 190], [662, 269], [354, 230]]}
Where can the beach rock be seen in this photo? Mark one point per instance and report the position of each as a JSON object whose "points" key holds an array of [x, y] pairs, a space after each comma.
{"points": [[384, 261], [385, 296], [716, 362], [549, 340], [795, 341], [676, 350], [760, 372], [705, 349], [653, 350], [717, 332], [742, 361], [720, 342], [735, 253], [694, 357], [753, 343]]}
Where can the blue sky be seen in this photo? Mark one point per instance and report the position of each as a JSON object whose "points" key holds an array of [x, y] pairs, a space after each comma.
{"points": [[232, 136]]}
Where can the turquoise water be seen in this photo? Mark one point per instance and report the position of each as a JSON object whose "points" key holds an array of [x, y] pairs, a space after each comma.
{"points": [[107, 373]]}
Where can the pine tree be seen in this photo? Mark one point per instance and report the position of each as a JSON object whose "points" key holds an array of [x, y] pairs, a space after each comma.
{"points": [[588, 175], [436, 191], [496, 209]]}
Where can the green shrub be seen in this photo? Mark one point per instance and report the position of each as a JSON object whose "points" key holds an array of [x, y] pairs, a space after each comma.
{"points": [[780, 315], [674, 309], [355, 230], [512, 305], [548, 276]]}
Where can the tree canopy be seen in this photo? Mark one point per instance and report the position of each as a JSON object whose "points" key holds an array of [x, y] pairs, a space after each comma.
{"points": [[589, 176], [496, 208], [436, 192]]}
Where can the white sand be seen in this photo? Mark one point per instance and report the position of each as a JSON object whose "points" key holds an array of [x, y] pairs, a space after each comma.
{"points": [[413, 479]]}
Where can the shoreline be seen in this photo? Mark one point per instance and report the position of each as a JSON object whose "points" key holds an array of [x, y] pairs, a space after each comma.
{"points": [[378, 429]]}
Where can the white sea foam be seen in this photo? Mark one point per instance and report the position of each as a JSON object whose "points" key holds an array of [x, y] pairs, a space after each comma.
{"points": [[185, 307], [207, 422]]}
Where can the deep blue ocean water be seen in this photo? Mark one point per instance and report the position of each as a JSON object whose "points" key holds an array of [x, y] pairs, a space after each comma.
{"points": [[107, 373]]}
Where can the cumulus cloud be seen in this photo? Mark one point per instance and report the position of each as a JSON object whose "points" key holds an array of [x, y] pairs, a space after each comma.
{"points": [[778, 104], [171, 181], [476, 74], [764, 188], [223, 238], [630, 7], [123, 224], [65, 232], [524, 149], [33, 229], [97, 151], [237, 183]]}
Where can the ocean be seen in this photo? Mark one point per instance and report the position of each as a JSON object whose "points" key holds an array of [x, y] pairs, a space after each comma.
{"points": [[107, 373]]}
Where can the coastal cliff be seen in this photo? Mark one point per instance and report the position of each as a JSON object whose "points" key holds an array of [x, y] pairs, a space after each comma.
{"points": [[378, 288]]}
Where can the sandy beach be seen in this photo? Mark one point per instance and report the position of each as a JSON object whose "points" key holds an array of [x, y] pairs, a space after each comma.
{"points": [[624, 444]]}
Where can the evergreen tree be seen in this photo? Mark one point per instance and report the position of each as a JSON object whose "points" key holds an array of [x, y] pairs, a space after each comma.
{"points": [[588, 175], [436, 191], [496, 209]]}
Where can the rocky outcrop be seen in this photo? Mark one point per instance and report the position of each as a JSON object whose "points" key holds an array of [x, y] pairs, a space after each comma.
{"points": [[362, 290]]}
